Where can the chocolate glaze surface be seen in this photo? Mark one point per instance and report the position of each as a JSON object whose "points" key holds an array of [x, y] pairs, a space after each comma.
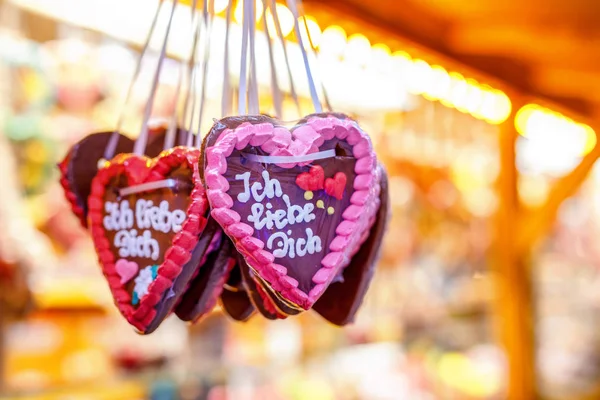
{"points": [[82, 162], [206, 287], [178, 198], [327, 209], [234, 298], [252, 290], [341, 301]]}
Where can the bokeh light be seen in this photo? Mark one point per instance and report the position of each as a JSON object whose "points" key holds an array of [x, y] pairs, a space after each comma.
{"points": [[333, 41], [286, 20]]}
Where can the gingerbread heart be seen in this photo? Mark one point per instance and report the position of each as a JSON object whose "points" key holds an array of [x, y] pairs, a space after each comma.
{"points": [[80, 164], [294, 241], [151, 212], [256, 293], [206, 286], [235, 299], [341, 301]]}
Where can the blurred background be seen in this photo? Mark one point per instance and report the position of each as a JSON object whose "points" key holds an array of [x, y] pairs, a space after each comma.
{"points": [[484, 113]]}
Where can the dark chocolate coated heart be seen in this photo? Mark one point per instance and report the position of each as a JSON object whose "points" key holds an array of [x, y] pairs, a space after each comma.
{"points": [[80, 166], [234, 298], [206, 287], [341, 301], [146, 218], [294, 241], [256, 293]]}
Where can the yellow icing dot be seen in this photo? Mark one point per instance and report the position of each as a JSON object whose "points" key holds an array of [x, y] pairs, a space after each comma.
{"points": [[330, 210], [320, 204], [308, 195]]}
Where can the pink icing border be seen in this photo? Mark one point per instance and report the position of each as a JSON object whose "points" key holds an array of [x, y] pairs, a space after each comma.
{"points": [[279, 141]]}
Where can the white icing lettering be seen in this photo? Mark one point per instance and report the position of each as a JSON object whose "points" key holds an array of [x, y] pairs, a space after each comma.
{"points": [[264, 216], [287, 246], [245, 195], [132, 245], [120, 217]]}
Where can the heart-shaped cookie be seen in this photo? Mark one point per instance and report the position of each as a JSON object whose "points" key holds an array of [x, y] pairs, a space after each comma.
{"points": [[256, 293], [80, 164], [340, 302], [151, 212], [235, 299], [295, 241], [205, 288]]}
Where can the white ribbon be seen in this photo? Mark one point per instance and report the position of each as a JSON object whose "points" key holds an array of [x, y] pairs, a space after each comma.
{"points": [[226, 95], [285, 55], [275, 90], [243, 78], [311, 83], [208, 21], [144, 187], [111, 147], [253, 105], [140, 143], [290, 159]]}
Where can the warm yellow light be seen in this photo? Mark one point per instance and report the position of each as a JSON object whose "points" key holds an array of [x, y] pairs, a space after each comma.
{"points": [[333, 41], [419, 79], [533, 121], [220, 5], [239, 11], [380, 52], [458, 92], [474, 97], [502, 108], [358, 49], [440, 84], [286, 20], [523, 116], [402, 62], [590, 139], [314, 30], [487, 104], [380, 58]]}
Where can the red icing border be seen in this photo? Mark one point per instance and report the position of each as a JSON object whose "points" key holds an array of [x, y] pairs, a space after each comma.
{"points": [[140, 169], [76, 207], [363, 200]]}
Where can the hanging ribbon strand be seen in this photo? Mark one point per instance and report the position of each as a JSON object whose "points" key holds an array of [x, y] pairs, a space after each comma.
{"points": [[172, 129], [226, 94], [311, 83], [189, 109], [208, 15], [253, 101], [314, 53], [111, 147], [283, 42], [275, 89], [243, 63], [140, 143]]}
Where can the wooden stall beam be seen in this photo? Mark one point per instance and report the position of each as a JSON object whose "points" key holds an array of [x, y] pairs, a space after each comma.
{"points": [[513, 305]]}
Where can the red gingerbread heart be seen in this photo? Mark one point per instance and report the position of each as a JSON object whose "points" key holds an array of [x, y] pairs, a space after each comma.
{"points": [[295, 243], [312, 180], [335, 186], [151, 212]]}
